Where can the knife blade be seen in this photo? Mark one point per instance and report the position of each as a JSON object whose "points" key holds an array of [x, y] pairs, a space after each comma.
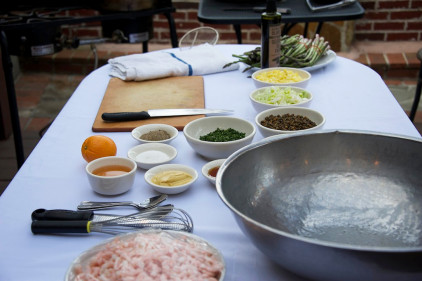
{"points": [[142, 115]]}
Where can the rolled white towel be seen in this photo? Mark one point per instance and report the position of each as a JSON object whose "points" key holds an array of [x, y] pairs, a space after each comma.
{"points": [[199, 60]]}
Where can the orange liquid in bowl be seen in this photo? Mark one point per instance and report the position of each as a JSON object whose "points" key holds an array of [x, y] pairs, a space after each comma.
{"points": [[111, 171], [213, 171]]}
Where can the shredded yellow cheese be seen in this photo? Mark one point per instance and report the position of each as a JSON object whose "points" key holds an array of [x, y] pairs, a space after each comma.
{"points": [[279, 76]]}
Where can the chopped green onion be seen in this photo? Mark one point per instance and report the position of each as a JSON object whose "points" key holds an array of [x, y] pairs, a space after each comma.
{"points": [[281, 96]]}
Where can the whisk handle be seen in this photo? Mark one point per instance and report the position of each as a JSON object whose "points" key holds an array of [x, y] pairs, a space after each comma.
{"points": [[49, 227], [58, 214]]}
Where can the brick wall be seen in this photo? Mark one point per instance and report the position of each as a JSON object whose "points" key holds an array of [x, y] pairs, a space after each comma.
{"points": [[337, 33], [390, 20], [384, 20], [83, 30]]}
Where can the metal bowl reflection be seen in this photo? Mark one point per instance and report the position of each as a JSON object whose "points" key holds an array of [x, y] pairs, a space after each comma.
{"points": [[331, 205]]}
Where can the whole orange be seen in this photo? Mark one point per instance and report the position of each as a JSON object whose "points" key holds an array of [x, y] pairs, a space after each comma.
{"points": [[98, 146]]}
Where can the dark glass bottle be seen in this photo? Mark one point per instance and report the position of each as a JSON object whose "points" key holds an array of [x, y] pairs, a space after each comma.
{"points": [[270, 36]]}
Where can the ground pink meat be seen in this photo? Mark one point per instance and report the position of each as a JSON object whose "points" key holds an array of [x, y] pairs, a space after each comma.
{"points": [[155, 256]]}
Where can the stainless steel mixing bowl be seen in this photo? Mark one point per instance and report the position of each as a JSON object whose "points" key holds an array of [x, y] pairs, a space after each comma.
{"points": [[331, 205]]}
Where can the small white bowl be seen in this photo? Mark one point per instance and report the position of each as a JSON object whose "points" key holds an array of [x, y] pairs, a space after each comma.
{"points": [[148, 155], [261, 106], [216, 150], [305, 75], [208, 166], [170, 167], [144, 129], [111, 185], [313, 115]]}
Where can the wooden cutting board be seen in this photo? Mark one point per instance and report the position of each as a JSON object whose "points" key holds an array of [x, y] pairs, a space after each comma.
{"points": [[172, 92]]}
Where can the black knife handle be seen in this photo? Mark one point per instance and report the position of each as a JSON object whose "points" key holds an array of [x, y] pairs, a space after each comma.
{"points": [[48, 227], [65, 215], [125, 116]]}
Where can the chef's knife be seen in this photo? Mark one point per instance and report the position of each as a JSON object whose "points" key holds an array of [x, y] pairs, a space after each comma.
{"points": [[142, 115]]}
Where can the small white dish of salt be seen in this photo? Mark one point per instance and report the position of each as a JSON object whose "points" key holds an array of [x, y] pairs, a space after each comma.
{"points": [[149, 155]]}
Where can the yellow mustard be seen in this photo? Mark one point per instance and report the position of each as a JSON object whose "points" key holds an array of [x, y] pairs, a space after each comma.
{"points": [[171, 178], [279, 76]]}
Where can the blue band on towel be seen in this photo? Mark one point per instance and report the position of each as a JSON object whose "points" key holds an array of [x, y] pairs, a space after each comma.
{"points": [[189, 66]]}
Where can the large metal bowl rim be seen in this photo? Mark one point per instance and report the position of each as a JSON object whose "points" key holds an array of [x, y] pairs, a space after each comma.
{"points": [[271, 139]]}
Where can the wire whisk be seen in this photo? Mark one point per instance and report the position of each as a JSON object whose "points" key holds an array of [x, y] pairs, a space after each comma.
{"points": [[165, 217]]}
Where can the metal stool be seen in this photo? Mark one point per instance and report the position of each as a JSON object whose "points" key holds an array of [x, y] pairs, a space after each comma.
{"points": [[418, 89]]}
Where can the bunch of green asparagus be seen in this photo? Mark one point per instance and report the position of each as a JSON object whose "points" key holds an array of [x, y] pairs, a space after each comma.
{"points": [[295, 51]]}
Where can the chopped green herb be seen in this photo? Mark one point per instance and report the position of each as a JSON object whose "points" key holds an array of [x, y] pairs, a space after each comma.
{"points": [[220, 135]]}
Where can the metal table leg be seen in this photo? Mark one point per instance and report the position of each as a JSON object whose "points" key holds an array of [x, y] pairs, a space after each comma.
{"points": [[145, 46], [11, 94], [318, 30], [288, 26], [173, 33], [238, 31], [418, 90]]}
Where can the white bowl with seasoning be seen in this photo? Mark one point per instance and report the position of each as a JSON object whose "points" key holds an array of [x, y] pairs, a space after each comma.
{"points": [[155, 133], [171, 178], [281, 76], [149, 155], [210, 169], [111, 175], [300, 116], [237, 127], [279, 96]]}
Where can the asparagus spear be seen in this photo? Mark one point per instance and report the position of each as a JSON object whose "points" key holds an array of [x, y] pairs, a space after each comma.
{"points": [[295, 51]]}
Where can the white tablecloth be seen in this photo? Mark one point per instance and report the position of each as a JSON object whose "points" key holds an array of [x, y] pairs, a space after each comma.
{"points": [[350, 95]]}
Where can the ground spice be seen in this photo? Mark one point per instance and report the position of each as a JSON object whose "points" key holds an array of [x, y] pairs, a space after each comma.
{"points": [[220, 135], [288, 122], [157, 135]]}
